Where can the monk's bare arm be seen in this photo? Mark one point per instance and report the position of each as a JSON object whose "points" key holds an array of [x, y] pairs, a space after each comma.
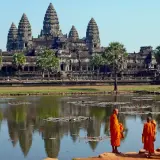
{"points": [[143, 133]]}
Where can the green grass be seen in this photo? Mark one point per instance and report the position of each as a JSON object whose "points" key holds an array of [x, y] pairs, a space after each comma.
{"points": [[75, 89]]}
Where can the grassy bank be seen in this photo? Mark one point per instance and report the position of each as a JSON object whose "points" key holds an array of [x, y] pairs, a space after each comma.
{"points": [[76, 89]]}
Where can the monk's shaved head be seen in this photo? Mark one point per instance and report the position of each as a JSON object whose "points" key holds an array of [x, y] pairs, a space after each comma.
{"points": [[149, 119], [115, 111]]}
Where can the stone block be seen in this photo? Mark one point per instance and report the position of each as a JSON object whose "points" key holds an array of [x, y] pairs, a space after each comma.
{"points": [[50, 159], [142, 151], [107, 155], [158, 149]]}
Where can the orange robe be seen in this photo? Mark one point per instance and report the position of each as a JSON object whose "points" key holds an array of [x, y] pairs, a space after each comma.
{"points": [[116, 130], [121, 130], [148, 137], [154, 128]]}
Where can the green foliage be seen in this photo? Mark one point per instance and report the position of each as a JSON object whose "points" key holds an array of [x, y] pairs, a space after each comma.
{"points": [[48, 107], [157, 54], [1, 115], [115, 55], [19, 59], [99, 113], [19, 114], [47, 61], [97, 61], [0, 62]]}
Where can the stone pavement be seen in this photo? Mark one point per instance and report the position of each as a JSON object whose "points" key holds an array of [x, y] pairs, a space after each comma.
{"points": [[126, 156], [112, 156], [51, 159]]}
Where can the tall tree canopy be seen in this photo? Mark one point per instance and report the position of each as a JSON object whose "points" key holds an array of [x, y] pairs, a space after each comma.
{"points": [[19, 60], [47, 61], [97, 61], [115, 56], [0, 62], [157, 54]]}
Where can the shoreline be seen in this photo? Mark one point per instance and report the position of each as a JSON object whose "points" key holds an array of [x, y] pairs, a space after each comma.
{"points": [[124, 156], [77, 93], [58, 93]]}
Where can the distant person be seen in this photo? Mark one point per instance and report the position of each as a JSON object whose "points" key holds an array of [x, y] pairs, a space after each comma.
{"points": [[148, 136], [116, 131]]}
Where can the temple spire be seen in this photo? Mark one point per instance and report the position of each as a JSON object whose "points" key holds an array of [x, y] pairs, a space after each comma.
{"points": [[92, 34], [51, 23], [12, 38], [73, 34], [24, 32]]}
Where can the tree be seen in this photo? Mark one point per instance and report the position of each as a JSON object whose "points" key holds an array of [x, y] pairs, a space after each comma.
{"points": [[157, 54], [19, 60], [115, 56], [47, 61], [0, 62], [97, 61], [79, 60]]}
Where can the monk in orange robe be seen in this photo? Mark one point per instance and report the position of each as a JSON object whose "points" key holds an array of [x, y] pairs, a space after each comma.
{"points": [[116, 131], [148, 136]]}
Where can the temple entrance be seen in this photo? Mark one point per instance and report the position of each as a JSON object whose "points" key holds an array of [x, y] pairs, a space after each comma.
{"points": [[31, 68], [26, 45], [7, 70], [62, 67]]}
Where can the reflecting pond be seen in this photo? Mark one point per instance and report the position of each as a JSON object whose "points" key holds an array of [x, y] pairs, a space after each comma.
{"points": [[25, 135]]}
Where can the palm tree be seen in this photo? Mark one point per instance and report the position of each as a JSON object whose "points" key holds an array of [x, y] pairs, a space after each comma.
{"points": [[19, 61], [79, 59], [115, 56], [157, 54], [47, 61]]}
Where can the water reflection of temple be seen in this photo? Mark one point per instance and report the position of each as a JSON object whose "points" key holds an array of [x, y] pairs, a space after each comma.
{"points": [[23, 121], [93, 130]]}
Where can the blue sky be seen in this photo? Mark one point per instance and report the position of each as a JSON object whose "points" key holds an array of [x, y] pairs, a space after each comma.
{"points": [[134, 23]]}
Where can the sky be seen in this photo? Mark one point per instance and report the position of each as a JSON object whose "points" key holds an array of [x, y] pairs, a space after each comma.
{"points": [[134, 23]]}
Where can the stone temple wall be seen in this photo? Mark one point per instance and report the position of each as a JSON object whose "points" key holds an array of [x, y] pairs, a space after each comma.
{"points": [[74, 52]]}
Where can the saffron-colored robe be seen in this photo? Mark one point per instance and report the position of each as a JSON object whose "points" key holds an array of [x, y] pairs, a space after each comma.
{"points": [[154, 128], [148, 137], [116, 130]]}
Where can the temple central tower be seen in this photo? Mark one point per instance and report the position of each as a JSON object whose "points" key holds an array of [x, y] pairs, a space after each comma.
{"points": [[51, 23], [92, 35]]}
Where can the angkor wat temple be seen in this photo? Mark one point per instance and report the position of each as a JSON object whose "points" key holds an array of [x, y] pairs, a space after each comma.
{"points": [[71, 49]]}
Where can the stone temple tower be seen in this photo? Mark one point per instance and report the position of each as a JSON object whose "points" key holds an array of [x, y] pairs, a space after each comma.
{"points": [[12, 43], [73, 34], [24, 33], [51, 23], [92, 35]]}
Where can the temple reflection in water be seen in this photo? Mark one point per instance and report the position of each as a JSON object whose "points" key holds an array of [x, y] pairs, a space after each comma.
{"points": [[26, 120]]}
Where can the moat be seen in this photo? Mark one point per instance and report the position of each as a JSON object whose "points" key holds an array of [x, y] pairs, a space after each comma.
{"points": [[25, 135]]}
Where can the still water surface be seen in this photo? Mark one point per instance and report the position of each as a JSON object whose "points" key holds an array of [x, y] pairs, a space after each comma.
{"points": [[24, 135]]}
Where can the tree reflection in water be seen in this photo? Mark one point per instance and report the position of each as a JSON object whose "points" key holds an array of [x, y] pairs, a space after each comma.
{"points": [[1, 117]]}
